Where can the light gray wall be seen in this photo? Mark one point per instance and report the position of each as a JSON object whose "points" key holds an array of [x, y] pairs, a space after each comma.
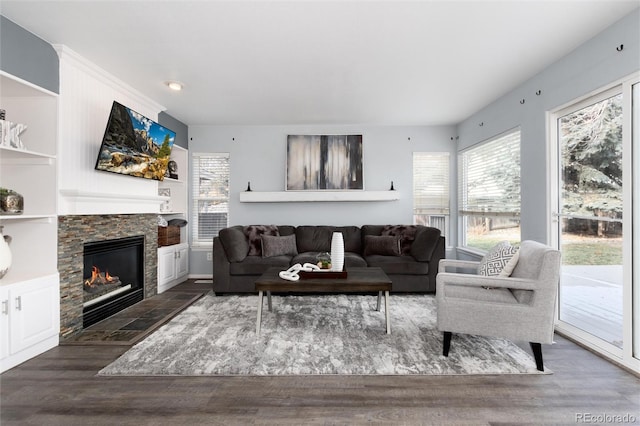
{"points": [[181, 129], [591, 66], [27, 56], [258, 154]]}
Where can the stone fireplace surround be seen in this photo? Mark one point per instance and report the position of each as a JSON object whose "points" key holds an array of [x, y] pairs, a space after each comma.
{"points": [[76, 230]]}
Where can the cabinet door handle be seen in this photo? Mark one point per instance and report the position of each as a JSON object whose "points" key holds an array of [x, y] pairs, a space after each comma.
{"points": [[5, 307], [19, 303]]}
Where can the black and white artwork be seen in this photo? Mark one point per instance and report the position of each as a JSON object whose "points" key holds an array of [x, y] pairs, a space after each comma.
{"points": [[324, 162]]}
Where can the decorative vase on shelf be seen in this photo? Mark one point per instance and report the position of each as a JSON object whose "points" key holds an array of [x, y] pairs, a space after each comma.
{"points": [[337, 251], [11, 202], [5, 254]]}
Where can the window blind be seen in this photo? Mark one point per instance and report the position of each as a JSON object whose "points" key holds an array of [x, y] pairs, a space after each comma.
{"points": [[430, 183], [210, 195], [489, 178]]}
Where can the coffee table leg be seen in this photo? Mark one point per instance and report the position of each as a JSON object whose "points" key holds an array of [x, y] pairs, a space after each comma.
{"points": [[269, 301], [386, 311], [260, 301], [378, 304]]}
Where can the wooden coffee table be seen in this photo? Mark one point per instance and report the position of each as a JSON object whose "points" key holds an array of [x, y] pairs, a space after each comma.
{"points": [[358, 280]]}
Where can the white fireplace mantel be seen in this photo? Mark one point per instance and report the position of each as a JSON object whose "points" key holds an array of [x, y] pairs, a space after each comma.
{"points": [[316, 196]]}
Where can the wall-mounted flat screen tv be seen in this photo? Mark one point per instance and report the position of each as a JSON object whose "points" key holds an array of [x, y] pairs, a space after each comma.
{"points": [[135, 145]]}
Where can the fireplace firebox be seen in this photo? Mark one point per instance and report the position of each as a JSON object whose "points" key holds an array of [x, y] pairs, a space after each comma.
{"points": [[113, 276]]}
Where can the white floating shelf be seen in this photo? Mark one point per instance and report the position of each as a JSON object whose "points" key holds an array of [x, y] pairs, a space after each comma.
{"points": [[310, 196]]}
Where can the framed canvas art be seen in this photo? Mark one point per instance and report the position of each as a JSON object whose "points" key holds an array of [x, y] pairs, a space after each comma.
{"points": [[324, 162]]}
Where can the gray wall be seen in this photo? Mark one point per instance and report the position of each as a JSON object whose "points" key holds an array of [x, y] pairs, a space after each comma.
{"points": [[181, 129], [258, 154], [27, 56], [591, 66]]}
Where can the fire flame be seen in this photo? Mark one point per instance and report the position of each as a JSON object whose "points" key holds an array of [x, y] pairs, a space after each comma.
{"points": [[97, 278]]}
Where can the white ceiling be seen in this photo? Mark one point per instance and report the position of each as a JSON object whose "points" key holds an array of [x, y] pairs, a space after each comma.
{"points": [[320, 62]]}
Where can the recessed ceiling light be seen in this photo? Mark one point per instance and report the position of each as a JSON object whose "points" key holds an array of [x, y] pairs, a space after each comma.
{"points": [[174, 85]]}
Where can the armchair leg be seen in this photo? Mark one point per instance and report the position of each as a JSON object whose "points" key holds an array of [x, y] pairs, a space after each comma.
{"points": [[537, 353], [446, 343]]}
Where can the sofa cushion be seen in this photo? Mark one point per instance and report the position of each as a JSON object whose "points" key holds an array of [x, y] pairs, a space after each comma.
{"points": [[313, 238], [425, 243], [278, 246], [407, 233], [235, 243], [354, 260], [352, 237], [253, 234], [399, 265], [383, 245], [257, 265], [318, 238]]}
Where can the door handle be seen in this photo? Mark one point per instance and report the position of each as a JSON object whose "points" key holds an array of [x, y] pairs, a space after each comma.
{"points": [[5, 307], [19, 303]]}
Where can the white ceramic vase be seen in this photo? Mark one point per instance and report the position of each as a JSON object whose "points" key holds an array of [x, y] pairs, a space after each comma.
{"points": [[5, 254], [337, 251]]}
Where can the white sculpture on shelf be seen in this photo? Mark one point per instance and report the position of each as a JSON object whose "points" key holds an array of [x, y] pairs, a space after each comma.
{"points": [[10, 134]]}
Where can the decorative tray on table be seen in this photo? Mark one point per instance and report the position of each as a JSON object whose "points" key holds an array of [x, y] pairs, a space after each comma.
{"points": [[322, 273]]}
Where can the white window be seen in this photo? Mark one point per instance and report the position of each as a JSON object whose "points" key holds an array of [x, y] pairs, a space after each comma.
{"points": [[431, 190], [489, 192], [210, 195]]}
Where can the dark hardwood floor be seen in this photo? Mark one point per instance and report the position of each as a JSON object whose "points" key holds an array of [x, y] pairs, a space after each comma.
{"points": [[60, 387]]}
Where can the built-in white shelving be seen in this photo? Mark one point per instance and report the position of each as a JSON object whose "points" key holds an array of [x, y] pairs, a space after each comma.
{"points": [[173, 261], [177, 187], [30, 291]]}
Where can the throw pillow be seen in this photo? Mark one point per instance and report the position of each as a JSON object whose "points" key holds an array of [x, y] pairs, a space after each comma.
{"points": [[407, 234], [254, 234], [279, 246], [496, 259], [382, 245], [511, 264]]}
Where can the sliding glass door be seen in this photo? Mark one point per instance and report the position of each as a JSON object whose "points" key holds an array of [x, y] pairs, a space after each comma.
{"points": [[593, 217]]}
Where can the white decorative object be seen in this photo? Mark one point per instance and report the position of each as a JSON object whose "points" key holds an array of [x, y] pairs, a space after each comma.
{"points": [[165, 206], [162, 221], [291, 274], [5, 254], [10, 134], [337, 251]]}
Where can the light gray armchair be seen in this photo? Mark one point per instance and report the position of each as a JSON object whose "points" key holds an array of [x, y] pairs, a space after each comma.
{"points": [[518, 307]]}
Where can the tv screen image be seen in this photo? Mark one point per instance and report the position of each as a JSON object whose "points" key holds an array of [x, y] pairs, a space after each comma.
{"points": [[135, 145]]}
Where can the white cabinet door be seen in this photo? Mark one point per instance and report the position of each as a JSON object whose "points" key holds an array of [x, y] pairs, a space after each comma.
{"points": [[166, 265], [182, 261], [4, 322], [35, 313]]}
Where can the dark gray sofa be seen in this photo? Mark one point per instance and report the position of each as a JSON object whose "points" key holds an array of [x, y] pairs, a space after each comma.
{"points": [[238, 261]]}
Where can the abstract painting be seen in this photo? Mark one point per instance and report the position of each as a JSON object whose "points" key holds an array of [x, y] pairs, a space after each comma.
{"points": [[324, 162]]}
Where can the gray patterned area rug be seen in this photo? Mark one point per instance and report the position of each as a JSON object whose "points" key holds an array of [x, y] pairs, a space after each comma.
{"points": [[309, 335]]}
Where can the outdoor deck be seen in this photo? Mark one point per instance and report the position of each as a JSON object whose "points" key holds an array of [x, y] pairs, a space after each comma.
{"points": [[591, 299]]}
